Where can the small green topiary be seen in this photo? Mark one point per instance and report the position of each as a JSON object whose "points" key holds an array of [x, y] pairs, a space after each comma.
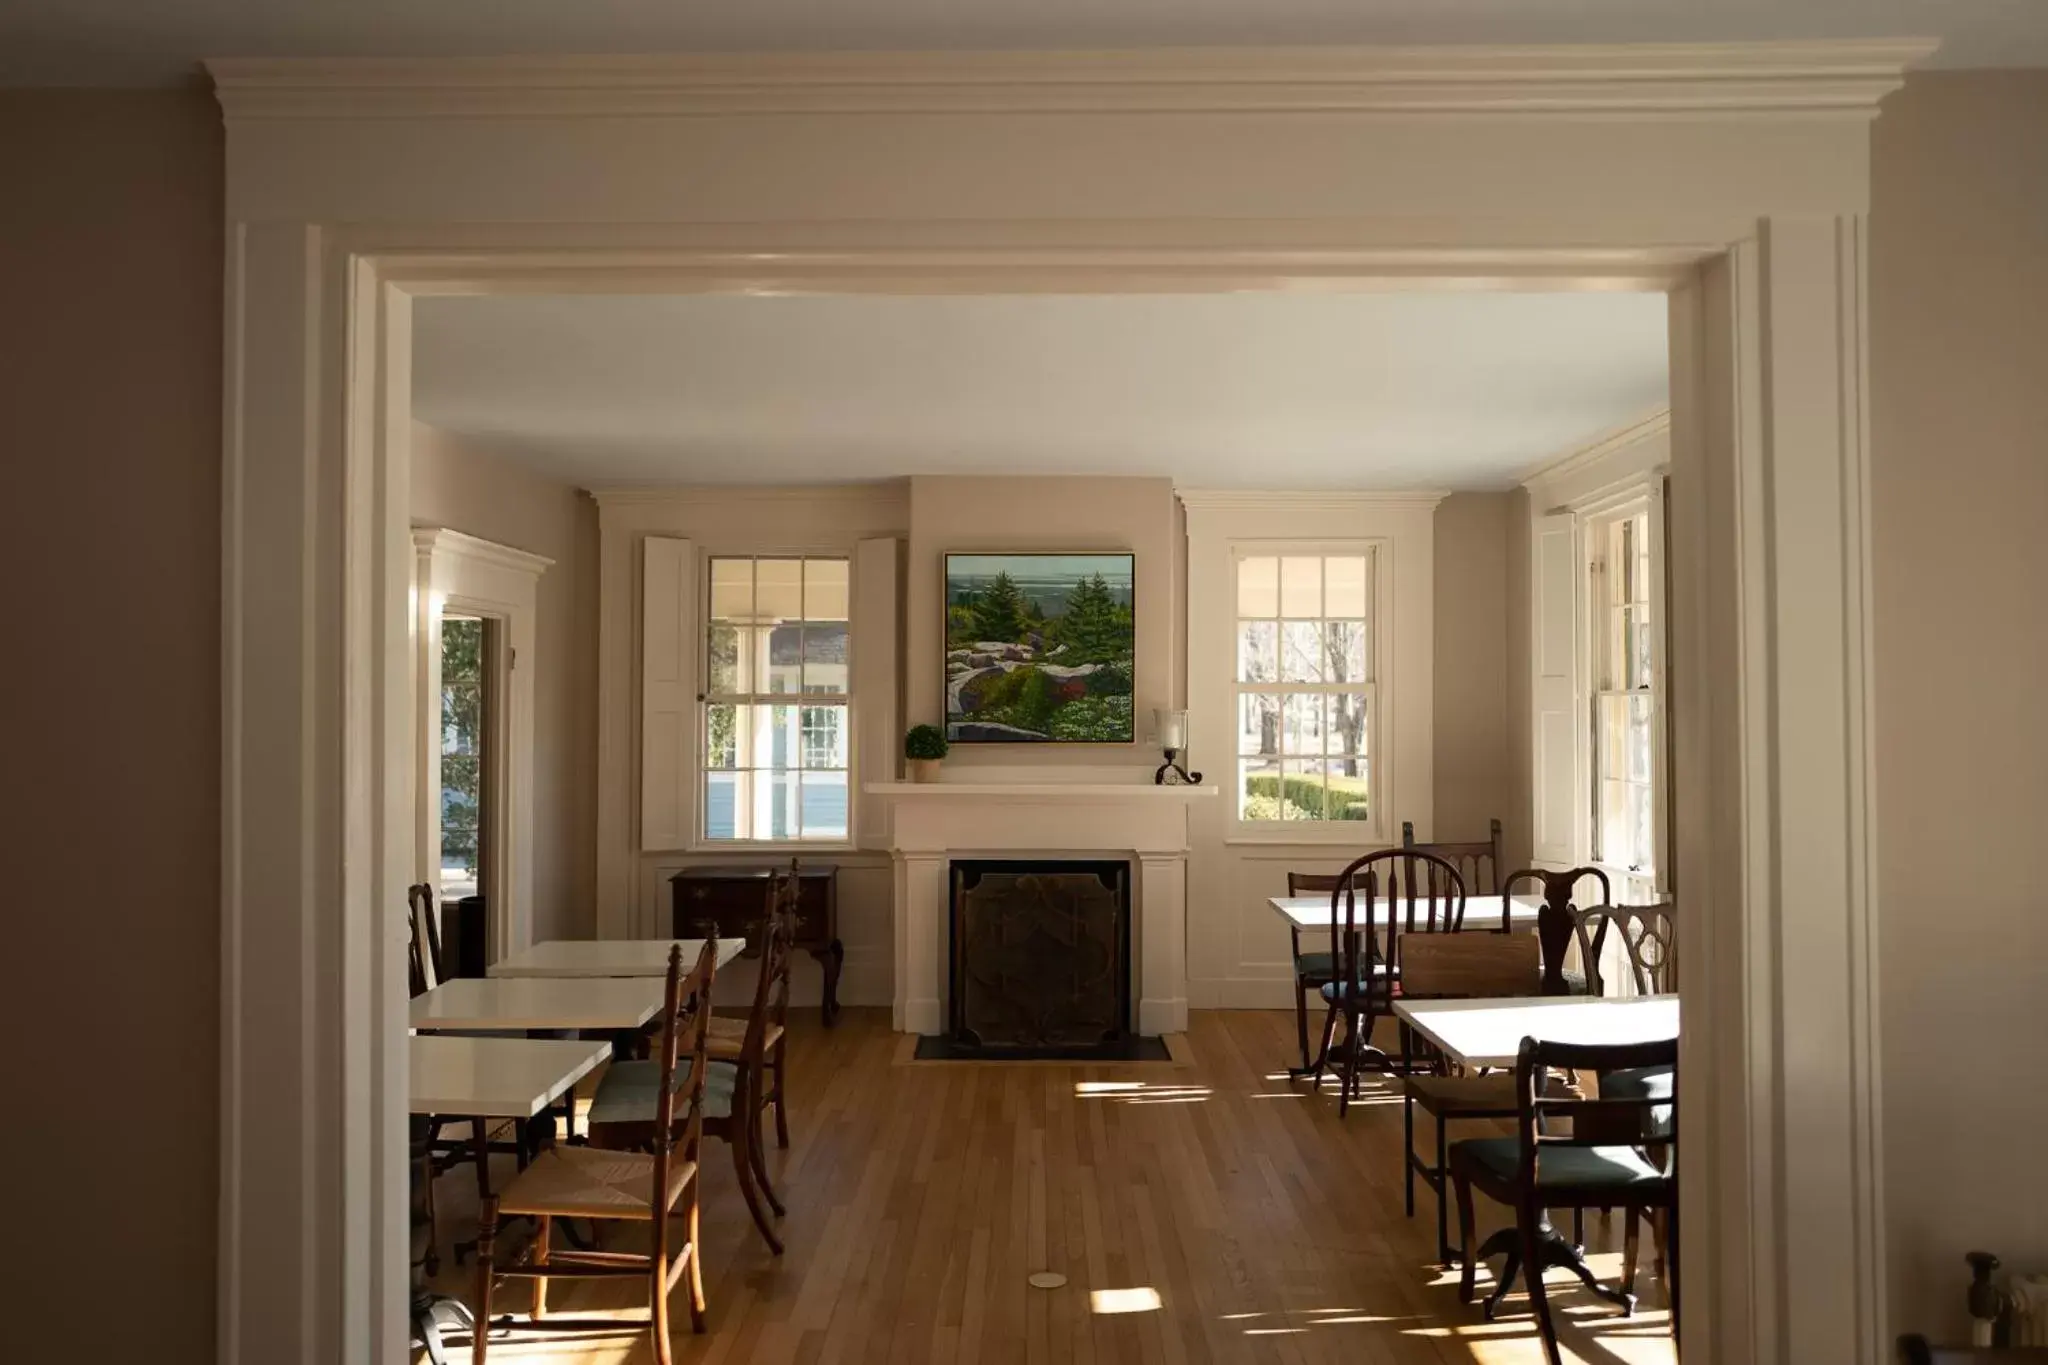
{"points": [[925, 741]]}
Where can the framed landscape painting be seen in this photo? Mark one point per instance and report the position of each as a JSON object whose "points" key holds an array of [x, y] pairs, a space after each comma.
{"points": [[1039, 648]]}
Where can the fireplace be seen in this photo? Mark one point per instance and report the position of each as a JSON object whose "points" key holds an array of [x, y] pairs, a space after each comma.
{"points": [[1040, 955]]}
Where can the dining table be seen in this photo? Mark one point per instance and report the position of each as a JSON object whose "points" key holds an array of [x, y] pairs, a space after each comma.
{"points": [[483, 1081], [1489, 1032], [474, 1004], [1482, 913], [573, 958]]}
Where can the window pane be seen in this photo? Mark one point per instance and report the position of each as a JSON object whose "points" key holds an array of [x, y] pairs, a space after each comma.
{"points": [[727, 661], [1344, 584], [1301, 587], [1348, 796], [1258, 723], [722, 804], [1642, 841], [1258, 587], [1612, 824], [776, 814], [462, 649], [462, 718], [785, 658], [1345, 724], [825, 668], [1302, 728], [1636, 650], [1637, 720], [824, 805], [778, 590], [732, 589], [1258, 651], [721, 736], [1302, 783], [825, 590], [1344, 651], [824, 737], [1301, 651], [1258, 789]]}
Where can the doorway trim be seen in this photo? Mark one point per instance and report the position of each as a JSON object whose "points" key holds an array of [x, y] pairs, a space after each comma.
{"points": [[1783, 1238]]}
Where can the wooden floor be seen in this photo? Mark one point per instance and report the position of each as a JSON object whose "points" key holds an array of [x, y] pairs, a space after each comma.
{"points": [[921, 1196]]}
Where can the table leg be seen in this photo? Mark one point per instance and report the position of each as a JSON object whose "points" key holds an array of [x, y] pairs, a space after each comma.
{"points": [[1553, 1248], [832, 957]]}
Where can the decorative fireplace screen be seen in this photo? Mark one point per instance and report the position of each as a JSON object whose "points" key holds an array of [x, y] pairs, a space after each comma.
{"points": [[1040, 953]]}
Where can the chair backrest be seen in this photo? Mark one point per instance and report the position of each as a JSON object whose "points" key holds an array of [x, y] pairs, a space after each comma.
{"points": [[1470, 965], [1479, 862], [1592, 1122], [1917, 1350], [1649, 941], [424, 949], [778, 935], [1305, 883], [1559, 918], [685, 1024], [1421, 893]]}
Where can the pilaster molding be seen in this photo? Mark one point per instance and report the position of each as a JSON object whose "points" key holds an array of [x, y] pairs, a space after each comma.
{"points": [[1700, 80]]}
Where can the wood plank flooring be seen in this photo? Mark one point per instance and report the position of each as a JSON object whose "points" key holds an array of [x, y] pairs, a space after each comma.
{"points": [[921, 1196]]}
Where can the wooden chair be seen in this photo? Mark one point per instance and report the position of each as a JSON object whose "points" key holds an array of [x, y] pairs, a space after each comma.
{"points": [[423, 951], [729, 1036], [622, 1113], [1649, 941], [1540, 1168], [1423, 894], [1559, 919], [1917, 1350], [1479, 862], [1314, 970], [650, 1187], [1447, 966]]}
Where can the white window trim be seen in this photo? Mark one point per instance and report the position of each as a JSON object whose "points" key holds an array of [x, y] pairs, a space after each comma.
{"points": [[1643, 495], [700, 616], [474, 577], [1378, 551]]}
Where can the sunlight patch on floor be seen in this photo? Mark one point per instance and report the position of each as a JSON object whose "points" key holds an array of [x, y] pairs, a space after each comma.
{"points": [[1145, 1300]]}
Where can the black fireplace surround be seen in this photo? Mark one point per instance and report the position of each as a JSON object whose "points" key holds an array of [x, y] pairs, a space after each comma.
{"points": [[1040, 960]]}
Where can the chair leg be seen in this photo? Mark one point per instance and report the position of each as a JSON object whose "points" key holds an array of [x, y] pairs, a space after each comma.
{"points": [[1301, 1018], [1532, 1262], [757, 1150], [1443, 1235], [781, 1104], [695, 1274], [1408, 1150], [1468, 1281], [657, 1317], [1659, 1239], [1352, 1047], [541, 1228], [1315, 1077], [486, 1271], [744, 1165], [1631, 1244]]}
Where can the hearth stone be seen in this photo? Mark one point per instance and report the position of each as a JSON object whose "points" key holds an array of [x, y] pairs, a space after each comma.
{"points": [[1041, 953]]}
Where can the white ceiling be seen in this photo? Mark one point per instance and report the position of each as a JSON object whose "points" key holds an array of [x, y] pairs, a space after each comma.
{"points": [[101, 42], [1375, 390]]}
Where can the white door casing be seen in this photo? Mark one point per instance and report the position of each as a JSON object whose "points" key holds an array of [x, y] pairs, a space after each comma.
{"points": [[350, 186]]}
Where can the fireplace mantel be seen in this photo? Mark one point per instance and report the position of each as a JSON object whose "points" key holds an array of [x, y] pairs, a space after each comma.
{"points": [[933, 823]]}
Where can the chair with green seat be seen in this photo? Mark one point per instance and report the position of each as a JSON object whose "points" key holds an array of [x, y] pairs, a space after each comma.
{"points": [[1404, 892], [1569, 1151], [735, 1089], [1312, 970]]}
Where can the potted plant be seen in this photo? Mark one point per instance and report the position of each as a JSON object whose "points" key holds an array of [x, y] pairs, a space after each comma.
{"points": [[924, 746]]}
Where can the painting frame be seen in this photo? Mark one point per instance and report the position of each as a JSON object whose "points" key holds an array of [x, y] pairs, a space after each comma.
{"points": [[1102, 680]]}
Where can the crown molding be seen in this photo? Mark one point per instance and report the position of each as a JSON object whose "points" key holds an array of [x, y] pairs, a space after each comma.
{"points": [[1709, 80], [439, 540], [1274, 500], [659, 494], [1655, 425]]}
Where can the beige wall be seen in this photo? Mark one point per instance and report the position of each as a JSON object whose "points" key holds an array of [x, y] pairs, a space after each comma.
{"points": [[1959, 494], [1520, 819], [1474, 776], [1138, 515], [464, 489], [110, 441]]}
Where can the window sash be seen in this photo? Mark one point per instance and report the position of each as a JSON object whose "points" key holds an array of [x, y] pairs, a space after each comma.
{"points": [[1623, 804], [1362, 607]]}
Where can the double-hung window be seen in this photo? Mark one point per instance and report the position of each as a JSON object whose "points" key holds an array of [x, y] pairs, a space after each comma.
{"points": [[776, 700], [1625, 628], [1306, 698]]}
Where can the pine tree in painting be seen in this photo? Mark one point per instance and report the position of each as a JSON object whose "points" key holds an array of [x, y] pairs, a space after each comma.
{"points": [[999, 611]]}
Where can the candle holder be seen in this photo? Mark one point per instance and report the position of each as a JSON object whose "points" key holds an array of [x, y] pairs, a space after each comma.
{"points": [[1171, 725]]}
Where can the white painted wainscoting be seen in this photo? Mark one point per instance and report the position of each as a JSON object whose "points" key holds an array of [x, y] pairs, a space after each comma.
{"points": [[935, 823]]}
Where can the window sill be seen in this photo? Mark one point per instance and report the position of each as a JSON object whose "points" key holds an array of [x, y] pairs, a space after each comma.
{"points": [[1310, 836], [757, 848]]}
